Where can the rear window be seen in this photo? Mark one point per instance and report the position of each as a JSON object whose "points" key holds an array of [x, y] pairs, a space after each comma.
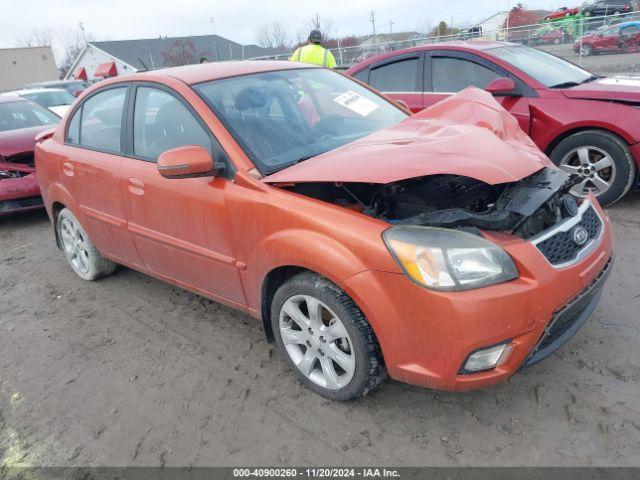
{"points": [[398, 76]]}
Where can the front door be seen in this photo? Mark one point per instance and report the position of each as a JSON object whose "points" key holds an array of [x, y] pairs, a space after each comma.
{"points": [[447, 73], [179, 226]]}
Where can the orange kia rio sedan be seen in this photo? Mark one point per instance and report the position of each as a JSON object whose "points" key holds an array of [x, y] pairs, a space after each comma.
{"points": [[442, 249]]}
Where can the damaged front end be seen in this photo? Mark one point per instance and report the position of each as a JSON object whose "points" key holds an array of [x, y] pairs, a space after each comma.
{"points": [[524, 208], [19, 189]]}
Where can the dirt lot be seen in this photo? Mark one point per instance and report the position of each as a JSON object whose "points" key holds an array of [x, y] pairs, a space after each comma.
{"points": [[131, 371]]}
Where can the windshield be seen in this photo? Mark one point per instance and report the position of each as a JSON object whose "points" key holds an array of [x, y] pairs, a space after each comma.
{"points": [[21, 114], [51, 98], [549, 70], [284, 117]]}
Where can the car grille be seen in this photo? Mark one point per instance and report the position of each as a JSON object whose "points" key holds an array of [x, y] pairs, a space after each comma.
{"points": [[558, 245]]}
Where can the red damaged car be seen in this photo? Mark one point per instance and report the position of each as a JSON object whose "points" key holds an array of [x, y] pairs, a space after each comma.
{"points": [[20, 122], [588, 125]]}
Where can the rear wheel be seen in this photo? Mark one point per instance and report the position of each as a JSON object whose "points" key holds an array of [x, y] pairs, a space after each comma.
{"points": [[325, 338], [603, 162], [81, 254]]}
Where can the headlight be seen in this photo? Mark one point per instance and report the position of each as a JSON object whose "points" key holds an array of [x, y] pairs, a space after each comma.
{"points": [[448, 260]]}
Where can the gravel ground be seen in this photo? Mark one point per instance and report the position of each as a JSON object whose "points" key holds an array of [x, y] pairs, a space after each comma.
{"points": [[611, 64], [131, 371]]}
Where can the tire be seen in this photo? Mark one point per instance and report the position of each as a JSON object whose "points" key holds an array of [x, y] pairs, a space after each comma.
{"points": [[312, 345], [621, 175], [82, 255], [586, 50], [556, 41]]}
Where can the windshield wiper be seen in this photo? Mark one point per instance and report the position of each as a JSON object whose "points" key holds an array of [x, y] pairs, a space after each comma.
{"points": [[287, 165], [566, 84], [573, 83]]}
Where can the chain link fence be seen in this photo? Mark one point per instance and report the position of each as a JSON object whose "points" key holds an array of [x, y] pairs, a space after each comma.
{"points": [[605, 45]]}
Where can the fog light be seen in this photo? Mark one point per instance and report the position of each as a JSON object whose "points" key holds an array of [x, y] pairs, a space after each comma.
{"points": [[487, 358]]}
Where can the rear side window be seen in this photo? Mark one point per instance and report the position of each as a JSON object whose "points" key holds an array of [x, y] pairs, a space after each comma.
{"points": [[73, 128], [362, 75], [162, 122], [398, 76], [102, 120], [632, 30], [455, 74]]}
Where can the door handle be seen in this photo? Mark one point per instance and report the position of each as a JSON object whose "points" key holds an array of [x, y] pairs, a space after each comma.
{"points": [[136, 186], [67, 169]]}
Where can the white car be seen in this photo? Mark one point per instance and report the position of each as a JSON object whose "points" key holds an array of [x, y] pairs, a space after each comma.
{"points": [[56, 100]]}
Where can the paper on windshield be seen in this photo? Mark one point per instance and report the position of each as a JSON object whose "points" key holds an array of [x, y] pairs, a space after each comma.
{"points": [[356, 103]]}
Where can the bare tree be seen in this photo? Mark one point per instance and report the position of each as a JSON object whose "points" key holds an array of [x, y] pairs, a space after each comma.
{"points": [[273, 35], [71, 42], [183, 52], [37, 37], [324, 24]]}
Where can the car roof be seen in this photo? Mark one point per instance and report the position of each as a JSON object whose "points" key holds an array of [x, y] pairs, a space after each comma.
{"points": [[12, 98], [461, 45], [26, 91], [191, 74], [53, 82]]}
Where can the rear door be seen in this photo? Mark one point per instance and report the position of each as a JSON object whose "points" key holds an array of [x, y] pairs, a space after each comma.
{"points": [[90, 163], [179, 226], [400, 78], [447, 72]]}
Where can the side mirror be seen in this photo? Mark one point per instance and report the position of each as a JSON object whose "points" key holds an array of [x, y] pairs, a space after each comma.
{"points": [[503, 86], [187, 162]]}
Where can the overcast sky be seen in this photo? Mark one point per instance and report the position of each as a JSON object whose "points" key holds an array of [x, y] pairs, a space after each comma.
{"points": [[236, 19]]}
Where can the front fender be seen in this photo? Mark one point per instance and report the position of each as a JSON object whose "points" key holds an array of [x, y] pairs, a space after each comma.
{"points": [[299, 248]]}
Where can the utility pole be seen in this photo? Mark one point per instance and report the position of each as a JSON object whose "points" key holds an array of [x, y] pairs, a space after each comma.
{"points": [[215, 45], [316, 21], [84, 37], [372, 19], [390, 23]]}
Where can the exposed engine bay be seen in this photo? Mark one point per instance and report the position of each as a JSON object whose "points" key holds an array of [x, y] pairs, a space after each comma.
{"points": [[523, 208]]}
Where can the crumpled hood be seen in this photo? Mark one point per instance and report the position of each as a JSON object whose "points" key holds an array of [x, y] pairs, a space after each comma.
{"points": [[466, 134], [611, 88], [22, 140]]}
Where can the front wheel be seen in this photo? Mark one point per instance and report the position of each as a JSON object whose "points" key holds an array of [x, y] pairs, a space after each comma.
{"points": [[586, 50], [81, 254], [601, 160], [325, 338]]}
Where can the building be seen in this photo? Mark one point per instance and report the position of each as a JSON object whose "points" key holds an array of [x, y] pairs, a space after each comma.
{"points": [[26, 65], [491, 27], [99, 60], [403, 39]]}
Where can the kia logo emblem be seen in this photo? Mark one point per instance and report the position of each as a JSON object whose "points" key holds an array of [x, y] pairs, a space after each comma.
{"points": [[580, 236]]}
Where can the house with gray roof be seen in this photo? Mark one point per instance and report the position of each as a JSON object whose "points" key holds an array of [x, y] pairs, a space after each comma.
{"points": [[99, 60]]}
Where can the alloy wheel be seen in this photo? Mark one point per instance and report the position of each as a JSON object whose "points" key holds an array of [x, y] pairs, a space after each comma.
{"points": [[594, 166], [317, 342], [75, 245]]}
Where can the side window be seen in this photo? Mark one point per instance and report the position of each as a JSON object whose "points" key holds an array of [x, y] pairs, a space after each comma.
{"points": [[398, 76], [73, 128], [362, 75], [102, 120], [161, 122], [455, 74], [629, 31]]}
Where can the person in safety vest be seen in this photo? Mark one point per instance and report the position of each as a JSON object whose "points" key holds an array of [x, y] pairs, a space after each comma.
{"points": [[314, 52]]}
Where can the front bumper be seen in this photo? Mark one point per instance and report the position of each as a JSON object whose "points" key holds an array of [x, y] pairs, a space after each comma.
{"points": [[426, 336]]}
